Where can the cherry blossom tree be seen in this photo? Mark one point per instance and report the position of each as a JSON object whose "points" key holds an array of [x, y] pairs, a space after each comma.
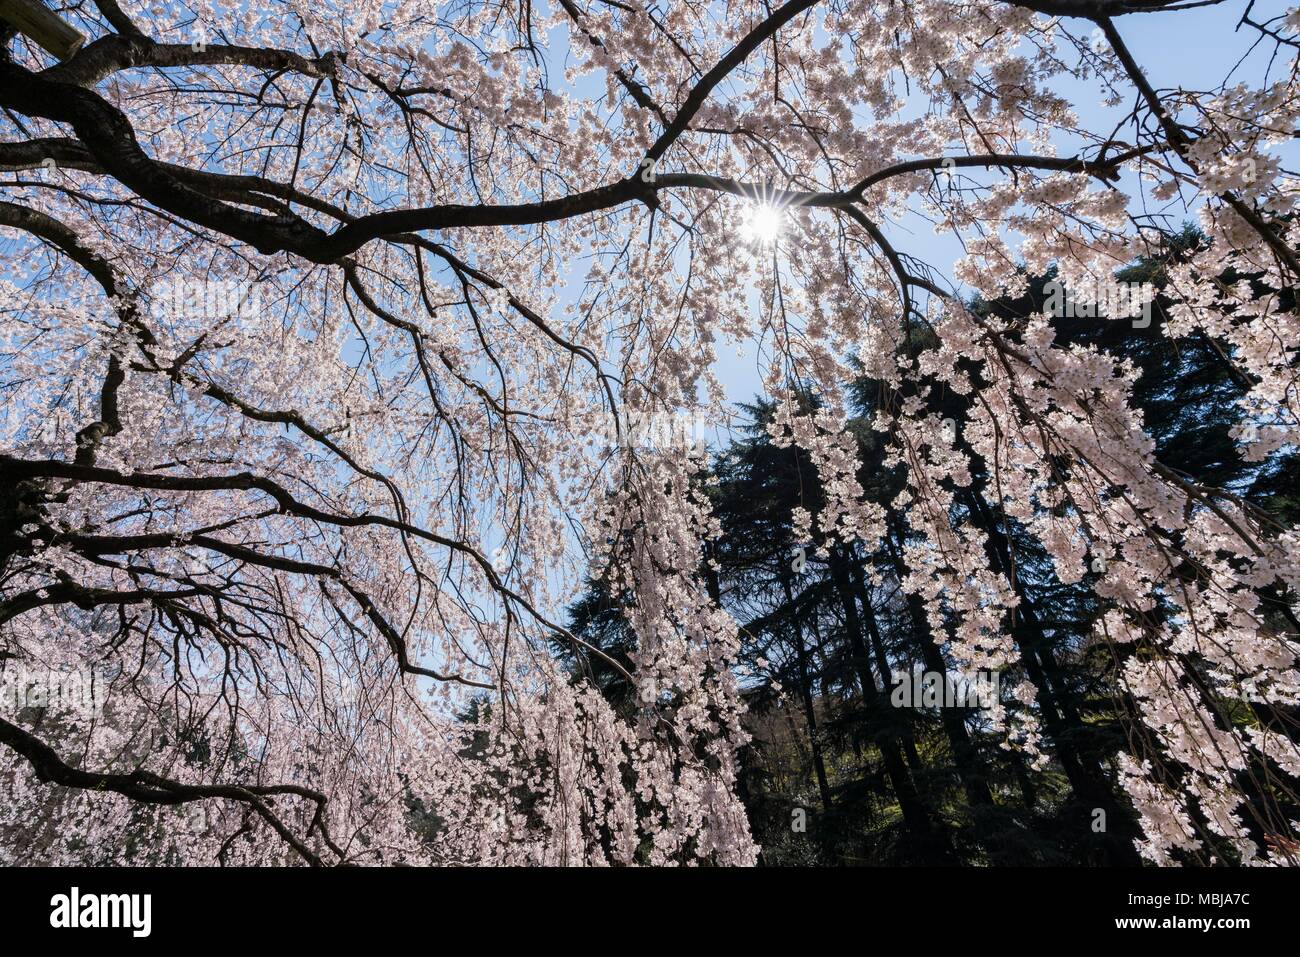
{"points": [[341, 342]]}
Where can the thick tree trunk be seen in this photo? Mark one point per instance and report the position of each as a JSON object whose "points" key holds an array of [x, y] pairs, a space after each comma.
{"points": [[965, 756], [882, 659], [929, 837], [806, 694]]}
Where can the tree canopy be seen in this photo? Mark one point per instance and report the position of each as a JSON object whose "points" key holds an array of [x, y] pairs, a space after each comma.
{"points": [[355, 360]]}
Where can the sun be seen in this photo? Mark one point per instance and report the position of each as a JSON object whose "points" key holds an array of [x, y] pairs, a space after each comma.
{"points": [[763, 223]]}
